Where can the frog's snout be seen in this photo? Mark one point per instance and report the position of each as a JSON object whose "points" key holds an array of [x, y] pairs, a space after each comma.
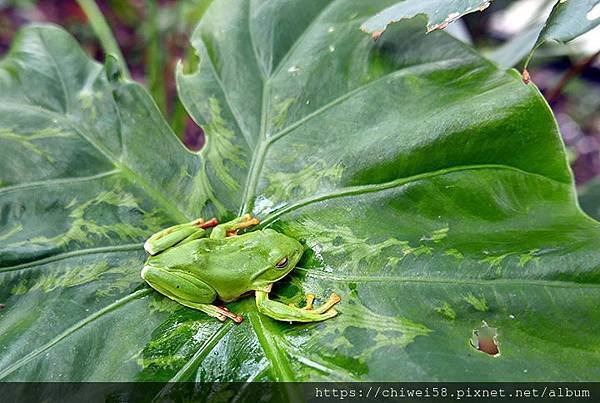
{"points": [[144, 273], [152, 274]]}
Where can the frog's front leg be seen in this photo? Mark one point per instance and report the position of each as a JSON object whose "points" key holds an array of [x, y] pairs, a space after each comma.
{"points": [[231, 227], [178, 234], [219, 312], [287, 313]]}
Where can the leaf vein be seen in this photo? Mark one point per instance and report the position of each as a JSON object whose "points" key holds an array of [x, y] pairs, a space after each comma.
{"points": [[370, 188], [280, 365], [301, 37], [66, 96], [202, 352], [170, 208], [59, 181], [473, 281], [79, 325], [419, 68], [67, 255]]}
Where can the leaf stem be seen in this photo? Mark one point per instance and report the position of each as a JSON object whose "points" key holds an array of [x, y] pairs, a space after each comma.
{"points": [[155, 59], [104, 33]]}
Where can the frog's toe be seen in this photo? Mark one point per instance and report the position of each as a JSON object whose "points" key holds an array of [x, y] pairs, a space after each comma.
{"points": [[310, 298], [231, 315], [219, 312], [201, 223], [333, 299]]}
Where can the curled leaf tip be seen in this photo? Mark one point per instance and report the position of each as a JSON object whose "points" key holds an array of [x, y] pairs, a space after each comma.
{"points": [[113, 68]]}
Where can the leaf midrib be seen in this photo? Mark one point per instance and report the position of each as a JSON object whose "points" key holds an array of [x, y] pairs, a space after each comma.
{"points": [[320, 275], [260, 151], [201, 353], [261, 148], [264, 332]]}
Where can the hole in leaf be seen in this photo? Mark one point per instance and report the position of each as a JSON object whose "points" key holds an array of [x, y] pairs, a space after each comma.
{"points": [[194, 136], [190, 62], [485, 339]]}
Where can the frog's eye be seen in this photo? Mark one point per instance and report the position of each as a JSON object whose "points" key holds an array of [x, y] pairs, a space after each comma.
{"points": [[282, 263]]}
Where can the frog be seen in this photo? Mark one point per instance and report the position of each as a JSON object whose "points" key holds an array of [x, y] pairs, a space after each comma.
{"points": [[203, 261]]}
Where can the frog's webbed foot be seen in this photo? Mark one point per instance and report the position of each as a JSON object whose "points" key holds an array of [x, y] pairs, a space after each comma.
{"points": [[310, 298], [291, 313], [178, 234]]}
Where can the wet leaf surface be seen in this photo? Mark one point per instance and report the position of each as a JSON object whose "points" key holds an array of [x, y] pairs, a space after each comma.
{"points": [[431, 188]]}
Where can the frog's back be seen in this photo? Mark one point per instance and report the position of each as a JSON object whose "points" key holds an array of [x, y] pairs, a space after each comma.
{"points": [[228, 265]]}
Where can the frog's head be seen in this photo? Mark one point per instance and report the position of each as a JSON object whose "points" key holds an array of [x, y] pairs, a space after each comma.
{"points": [[282, 253]]}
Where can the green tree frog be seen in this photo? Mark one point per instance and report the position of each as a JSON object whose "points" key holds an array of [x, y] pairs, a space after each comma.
{"points": [[201, 261]]}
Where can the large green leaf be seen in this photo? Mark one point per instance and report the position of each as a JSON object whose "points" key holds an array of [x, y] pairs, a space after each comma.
{"points": [[432, 190]]}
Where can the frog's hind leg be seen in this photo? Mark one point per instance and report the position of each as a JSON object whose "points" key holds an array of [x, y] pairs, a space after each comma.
{"points": [[219, 312], [310, 299], [201, 231], [178, 233], [287, 313], [231, 228], [333, 299]]}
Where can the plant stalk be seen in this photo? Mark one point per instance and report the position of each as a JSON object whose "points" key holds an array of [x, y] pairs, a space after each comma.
{"points": [[104, 33]]}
